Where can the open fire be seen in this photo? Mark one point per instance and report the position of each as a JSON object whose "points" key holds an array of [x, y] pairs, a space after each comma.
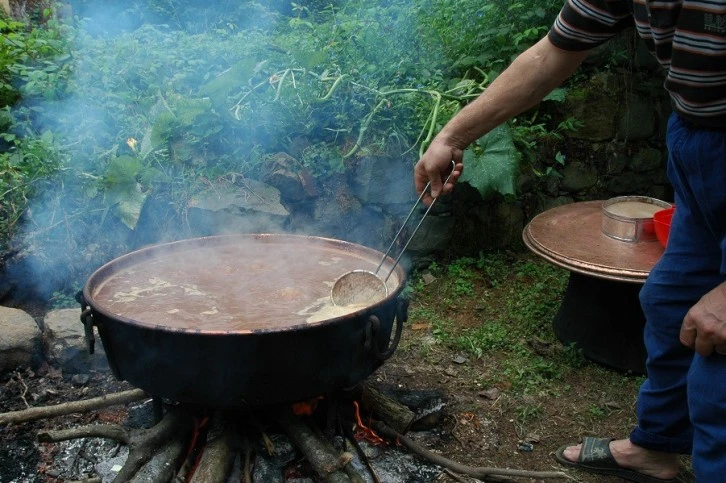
{"points": [[323, 439], [358, 435]]}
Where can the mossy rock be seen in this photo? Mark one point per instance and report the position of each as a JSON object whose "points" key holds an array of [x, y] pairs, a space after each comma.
{"points": [[596, 111]]}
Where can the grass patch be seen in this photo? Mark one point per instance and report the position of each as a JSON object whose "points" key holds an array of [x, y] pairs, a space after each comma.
{"points": [[499, 308]]}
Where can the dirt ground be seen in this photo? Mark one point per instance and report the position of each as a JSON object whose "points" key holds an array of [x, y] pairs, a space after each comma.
{"points": [[484, 424]]}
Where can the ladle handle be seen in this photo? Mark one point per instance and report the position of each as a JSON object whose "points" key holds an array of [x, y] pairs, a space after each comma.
{"points": [[400, 230]]}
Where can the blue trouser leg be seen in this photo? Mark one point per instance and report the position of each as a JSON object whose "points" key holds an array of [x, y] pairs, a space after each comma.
{"points": [[682, 404]]}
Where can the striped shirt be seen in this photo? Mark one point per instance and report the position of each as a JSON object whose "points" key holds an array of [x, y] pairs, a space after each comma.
{"points": [[688, 37]]}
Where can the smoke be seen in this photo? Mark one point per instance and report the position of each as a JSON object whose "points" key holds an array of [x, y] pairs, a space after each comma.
{"points": [[163, 97]]}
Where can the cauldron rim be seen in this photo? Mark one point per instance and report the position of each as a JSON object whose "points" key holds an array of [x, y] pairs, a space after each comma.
{"points": [[109, 315]]}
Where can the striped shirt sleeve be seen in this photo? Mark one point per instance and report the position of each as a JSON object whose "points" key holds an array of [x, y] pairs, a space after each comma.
{"points": [[585, 24]]}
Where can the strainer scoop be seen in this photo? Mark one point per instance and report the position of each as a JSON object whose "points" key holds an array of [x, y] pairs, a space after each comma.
{"points": [[363, 287]]}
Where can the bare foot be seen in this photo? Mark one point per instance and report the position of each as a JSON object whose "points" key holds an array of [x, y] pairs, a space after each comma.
{"points": [[628, 455]]}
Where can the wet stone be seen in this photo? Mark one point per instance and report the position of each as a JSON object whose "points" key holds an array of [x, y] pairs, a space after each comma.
{"points": [[80, 379]]}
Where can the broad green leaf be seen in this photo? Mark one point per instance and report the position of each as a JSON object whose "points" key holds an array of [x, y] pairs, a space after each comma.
{"points": [[187, 109], [164, 127], [492, 163], [128, 209], [121, 175], [47, 137], [123, 191], [557, 95], [230, 80]]}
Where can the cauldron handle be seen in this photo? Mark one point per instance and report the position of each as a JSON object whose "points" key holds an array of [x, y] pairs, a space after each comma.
{"points": [[87, 321], [374, 324]]}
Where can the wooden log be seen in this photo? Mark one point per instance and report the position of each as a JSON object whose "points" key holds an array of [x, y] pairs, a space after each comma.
{"points": [[162, 467], [324, 463], [396, 415], [218, 454], [145, 443], [43, 412]]}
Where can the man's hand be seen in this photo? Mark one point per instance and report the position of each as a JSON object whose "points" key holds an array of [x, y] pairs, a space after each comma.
{"points": [[435, 166], [704, 326]]}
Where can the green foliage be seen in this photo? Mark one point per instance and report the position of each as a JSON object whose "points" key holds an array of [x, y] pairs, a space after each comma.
{"points": [[485, 35], [65, 300], [26, 164], [597, 412], [485, 338], [513, 322], [536, 136], [528, 413], [171, 95], [29, 60]]}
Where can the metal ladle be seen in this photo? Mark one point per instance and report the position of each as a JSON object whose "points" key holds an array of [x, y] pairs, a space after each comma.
{"points": [[363, 287]]}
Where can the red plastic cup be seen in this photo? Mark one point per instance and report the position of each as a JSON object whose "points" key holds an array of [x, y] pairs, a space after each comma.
{"points": [[662, 224]]}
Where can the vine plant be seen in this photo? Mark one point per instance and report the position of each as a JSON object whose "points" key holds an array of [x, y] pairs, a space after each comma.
{"points": [[465, 90]]}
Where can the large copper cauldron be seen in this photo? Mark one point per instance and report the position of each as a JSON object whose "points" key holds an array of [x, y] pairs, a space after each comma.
{"points": [[241, 319]]}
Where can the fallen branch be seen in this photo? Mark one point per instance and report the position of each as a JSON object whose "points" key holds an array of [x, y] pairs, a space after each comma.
{"points": [[43, 412], [475, 472]]}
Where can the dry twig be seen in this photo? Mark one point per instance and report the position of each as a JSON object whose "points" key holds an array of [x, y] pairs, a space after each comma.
{"points": [[25, 388]]}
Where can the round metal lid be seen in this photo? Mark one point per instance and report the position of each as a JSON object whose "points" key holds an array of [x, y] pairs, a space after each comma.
{"points": [[570, 236]]}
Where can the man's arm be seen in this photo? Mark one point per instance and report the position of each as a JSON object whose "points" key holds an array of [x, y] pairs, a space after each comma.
{"points": [[531, 76]]}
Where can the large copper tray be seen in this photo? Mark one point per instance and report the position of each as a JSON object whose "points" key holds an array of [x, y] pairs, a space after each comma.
{"points": [[570, 236]]}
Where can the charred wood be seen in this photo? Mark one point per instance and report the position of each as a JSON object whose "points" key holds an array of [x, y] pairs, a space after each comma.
{"points": [[247, 467], [394, 414]]}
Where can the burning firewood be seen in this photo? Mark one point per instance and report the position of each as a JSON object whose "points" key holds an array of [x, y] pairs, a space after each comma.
{"points": [[182, 447], [218, 453], [148, 441], [388, 410], [331, 467]]}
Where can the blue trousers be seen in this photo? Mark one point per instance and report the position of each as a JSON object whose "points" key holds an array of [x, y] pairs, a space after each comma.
{"points": [[682, 404]]}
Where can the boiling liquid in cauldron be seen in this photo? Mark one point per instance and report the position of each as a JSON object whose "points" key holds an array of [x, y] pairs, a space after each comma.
{"points": [[633, 209], [252, 285]]}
